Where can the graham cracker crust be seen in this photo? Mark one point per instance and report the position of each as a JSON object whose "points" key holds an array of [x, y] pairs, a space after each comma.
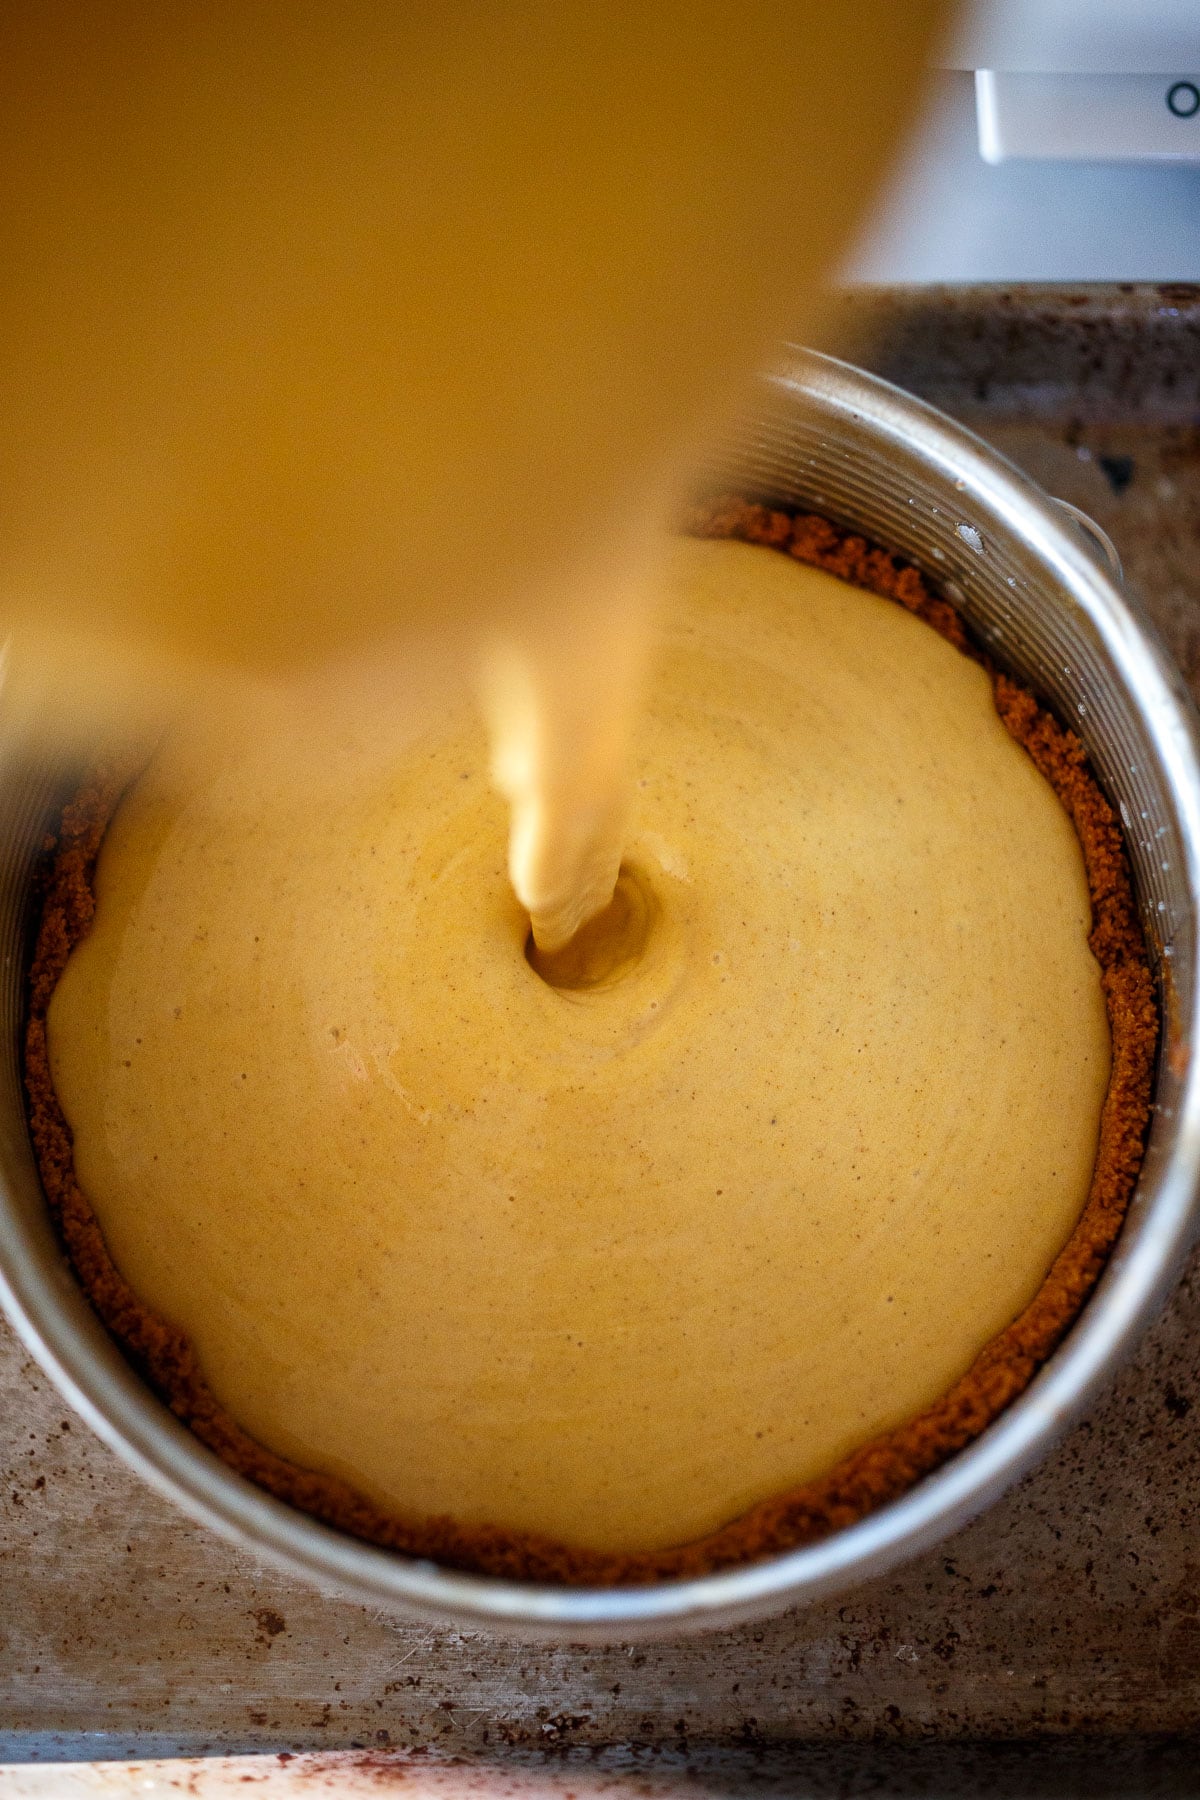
{"points": [[880, 1470]]}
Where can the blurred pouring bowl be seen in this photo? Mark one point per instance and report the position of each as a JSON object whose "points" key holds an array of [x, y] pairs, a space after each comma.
{"points": [[1045, 601]]}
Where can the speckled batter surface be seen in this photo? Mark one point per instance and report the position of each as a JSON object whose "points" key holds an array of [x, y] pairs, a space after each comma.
{"points": [[885, 1465]]}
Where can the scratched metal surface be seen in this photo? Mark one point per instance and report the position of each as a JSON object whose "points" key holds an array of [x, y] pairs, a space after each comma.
{"points": [[1069, 1614]]}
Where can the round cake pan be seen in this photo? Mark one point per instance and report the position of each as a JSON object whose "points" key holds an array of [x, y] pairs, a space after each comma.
{"points": [[1045, 601]]}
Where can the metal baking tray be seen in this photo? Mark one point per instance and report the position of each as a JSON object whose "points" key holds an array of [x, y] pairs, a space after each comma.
{"points": [[1053, 1646]]}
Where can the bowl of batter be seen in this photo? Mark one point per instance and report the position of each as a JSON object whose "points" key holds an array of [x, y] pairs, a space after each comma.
{"points": [[740, 1249]]}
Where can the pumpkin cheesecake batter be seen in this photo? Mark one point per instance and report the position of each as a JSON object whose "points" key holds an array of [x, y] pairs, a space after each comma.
{"points": [[604, 1252]]}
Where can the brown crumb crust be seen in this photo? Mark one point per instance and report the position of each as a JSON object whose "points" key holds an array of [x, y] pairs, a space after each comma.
{"points": [[877, 1472]]}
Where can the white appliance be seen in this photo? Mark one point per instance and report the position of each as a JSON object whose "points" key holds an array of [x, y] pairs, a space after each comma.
{"points": [[1087, 80], [1060, 142]]}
